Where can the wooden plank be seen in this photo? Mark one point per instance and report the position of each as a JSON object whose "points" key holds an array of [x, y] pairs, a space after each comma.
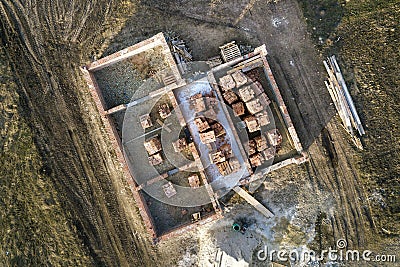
{"points": [[116, 109], [343, 109], [348, 97], [252, 201], [163, 125]]}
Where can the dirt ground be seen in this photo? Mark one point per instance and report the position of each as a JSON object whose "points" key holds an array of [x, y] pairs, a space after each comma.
{"points": [[34, 228], [46, 42]]}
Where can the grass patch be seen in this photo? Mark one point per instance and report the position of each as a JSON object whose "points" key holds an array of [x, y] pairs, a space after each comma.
{"points": [[365, 36], [34, 229], [370, 53]]}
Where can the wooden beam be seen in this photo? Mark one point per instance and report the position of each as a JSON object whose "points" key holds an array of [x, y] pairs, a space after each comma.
{"points": [[252, 201]]}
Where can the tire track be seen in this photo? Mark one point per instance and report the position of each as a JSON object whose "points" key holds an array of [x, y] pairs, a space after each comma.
{"points": [[342, 182], [12, 16], [63, 138]]}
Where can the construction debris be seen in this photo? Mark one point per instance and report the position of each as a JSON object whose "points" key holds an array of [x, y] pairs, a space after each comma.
{"points": [[246, 49], [214, 61], [180, 52]]}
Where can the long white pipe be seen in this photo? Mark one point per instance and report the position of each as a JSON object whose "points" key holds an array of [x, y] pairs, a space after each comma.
{"points": [[348, 96]]}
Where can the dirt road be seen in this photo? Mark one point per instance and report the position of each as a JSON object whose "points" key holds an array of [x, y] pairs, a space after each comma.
{"points": [[46, 41]]}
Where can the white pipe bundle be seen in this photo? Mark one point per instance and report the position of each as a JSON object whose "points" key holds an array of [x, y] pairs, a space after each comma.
{"points": [[341, 97]]}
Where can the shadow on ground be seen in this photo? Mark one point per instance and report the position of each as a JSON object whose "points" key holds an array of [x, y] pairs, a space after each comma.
{"points": [[294, 60]]}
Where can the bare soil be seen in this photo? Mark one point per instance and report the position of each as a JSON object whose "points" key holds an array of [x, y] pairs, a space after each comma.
{"points": [[34, 228], [45, 43]]}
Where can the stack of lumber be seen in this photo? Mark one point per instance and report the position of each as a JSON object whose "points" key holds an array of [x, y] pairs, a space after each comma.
{"points": [[341, 97]]}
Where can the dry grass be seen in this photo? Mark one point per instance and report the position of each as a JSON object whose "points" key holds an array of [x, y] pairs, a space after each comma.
{"points": [[364, 34], [34, 229], [371, 54]]}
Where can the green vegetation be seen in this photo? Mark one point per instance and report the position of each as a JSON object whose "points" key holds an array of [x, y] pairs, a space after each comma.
{"points": [[367, 43], [34, 230]]}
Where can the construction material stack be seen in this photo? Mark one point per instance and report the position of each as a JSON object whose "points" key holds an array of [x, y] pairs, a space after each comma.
{"points": [[342, 99]]}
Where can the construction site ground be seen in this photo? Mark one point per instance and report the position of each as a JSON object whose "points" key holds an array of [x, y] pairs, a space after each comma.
{"points": [[332, 196]]}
